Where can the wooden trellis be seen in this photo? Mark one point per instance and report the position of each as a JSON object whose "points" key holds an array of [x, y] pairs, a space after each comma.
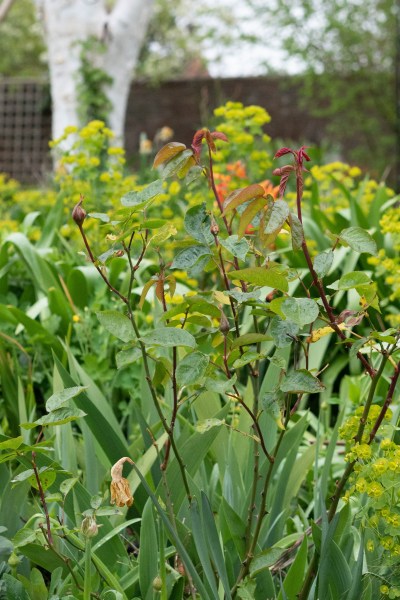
{"points": [[24, 129]]}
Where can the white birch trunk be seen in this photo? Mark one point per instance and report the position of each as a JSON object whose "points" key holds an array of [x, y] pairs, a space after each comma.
{"points": [[127, 27], [69, 22]]}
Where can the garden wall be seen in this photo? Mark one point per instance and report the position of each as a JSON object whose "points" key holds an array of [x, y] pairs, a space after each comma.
{"points": [[25, 115]]}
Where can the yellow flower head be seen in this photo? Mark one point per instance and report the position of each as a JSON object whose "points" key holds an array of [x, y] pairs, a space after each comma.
{"points": [[120, 491], [384, 589], [375, 489]]}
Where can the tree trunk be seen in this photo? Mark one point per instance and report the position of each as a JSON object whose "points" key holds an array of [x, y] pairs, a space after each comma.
{"points": [[4, 8], [126, 28], [68, 23]]}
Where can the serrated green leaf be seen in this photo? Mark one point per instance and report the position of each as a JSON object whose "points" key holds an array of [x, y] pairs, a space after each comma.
{"points": [[237, 247], [176, 166], [108, 511], [278, 361], [198, 224], [23, 476], [300, 310], [359, 240], [194, 173], [191, 368], [188, 257], [117, 324], [250, 338], [105, 255], [169, 337], [283, 332], [54, 497], [67, 485], [322, 263], [163, 234], [101, 216], [127, 357], [218, 385], [57, 417], [352, 280], [139, 199], [207, 424], [246, 358], [243, 296], [385, 336], [278, 215], [57, 400], [250, 212], [297, 231], [261, 277], [272, 403], [95, 501], [200, 320], [47, 478], [24, 536], [11, 443], [370, 293], [276, 306], [356, 346], [301, 381], [154, 223]]}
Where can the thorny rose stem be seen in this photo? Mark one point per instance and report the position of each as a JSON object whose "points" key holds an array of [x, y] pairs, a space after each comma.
{"points": [[79, 215], [375, 375]]}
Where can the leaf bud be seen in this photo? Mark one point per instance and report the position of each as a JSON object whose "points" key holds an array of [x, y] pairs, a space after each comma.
{"points": [[14, 560], [224, 324], [157, 584], [214, 228], [280, 171], [89, 527], [78, 213]]}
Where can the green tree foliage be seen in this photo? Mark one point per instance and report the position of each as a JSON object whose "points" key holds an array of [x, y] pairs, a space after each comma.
{"points": [[21, 43], [173, 44], [348, 51]]}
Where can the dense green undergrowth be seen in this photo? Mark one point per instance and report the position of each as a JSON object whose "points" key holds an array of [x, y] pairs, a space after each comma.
{"points": [[230, 332]]}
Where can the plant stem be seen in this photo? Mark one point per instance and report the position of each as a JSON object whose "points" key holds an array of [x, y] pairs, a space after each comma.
{"points": [[64, 559], [211, 181], [261, 514], [174, 383], [42, 499], [250, 412], [93, 261], [158, 408], [317, 282], [153, 393], [389, 397], [87, 584], [312, 569]]}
